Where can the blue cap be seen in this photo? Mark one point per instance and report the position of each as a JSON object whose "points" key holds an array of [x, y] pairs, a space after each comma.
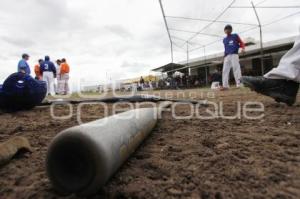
{"points": [[25, 55], [228, 27]]}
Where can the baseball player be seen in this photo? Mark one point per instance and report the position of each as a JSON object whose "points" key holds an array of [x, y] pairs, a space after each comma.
{"points": [[37, 70], [48, 72], [23, 66], [57, 83], [64, 77], [232, 43]]}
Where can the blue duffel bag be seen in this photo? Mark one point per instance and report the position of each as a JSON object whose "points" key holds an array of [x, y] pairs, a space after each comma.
{"points": [[20, 92]]}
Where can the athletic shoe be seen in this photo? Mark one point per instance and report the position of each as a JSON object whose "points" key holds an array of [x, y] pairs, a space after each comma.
{"points": [[279, 89]]}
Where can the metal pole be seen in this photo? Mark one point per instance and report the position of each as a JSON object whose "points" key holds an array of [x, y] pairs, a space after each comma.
{"points": [[187, 53], [206, 69], [261, 40], [166, 24], [187, 57], [206, 78], [204, 52]]}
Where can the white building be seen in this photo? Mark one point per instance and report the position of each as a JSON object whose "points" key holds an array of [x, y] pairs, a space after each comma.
{"points": [[201, 68]]}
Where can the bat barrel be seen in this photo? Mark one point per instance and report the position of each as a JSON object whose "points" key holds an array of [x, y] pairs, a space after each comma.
{"points": [[81, 159]]}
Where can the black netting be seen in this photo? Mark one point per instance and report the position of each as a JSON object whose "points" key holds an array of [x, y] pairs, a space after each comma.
{"points": [[200, 23]]}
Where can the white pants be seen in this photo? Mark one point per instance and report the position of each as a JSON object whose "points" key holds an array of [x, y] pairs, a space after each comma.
{"points": [[48, 77], [289, 65], [63, 84], [231, 61], [56, 83]]}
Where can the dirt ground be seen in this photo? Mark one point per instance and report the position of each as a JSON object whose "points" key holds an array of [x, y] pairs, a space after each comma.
{"points": [[182, 158]]}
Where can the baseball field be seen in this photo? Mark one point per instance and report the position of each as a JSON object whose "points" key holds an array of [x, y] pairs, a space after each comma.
{"points": [[247, 148]]}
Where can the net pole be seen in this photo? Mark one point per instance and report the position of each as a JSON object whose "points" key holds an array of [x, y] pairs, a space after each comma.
{"points": [[168, 31], [206, 67], [188, 57], [261, 39]]}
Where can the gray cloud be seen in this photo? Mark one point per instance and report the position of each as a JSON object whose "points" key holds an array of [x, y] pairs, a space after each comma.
{"points": [[18, 42]]}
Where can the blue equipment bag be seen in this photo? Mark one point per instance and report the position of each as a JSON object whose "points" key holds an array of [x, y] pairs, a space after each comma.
{"points": [[20, 91]]}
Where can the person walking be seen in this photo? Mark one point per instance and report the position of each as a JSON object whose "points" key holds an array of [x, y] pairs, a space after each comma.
{"points": [[48, 72], [64, 77], [232, 44], [23, 66]]}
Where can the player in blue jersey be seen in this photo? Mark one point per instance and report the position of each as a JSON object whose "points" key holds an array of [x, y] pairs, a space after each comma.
{"points": [[23, 66], [48, 72], [232, 44]]}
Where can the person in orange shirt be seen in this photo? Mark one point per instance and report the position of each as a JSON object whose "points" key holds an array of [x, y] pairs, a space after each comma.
{"points": [[37, 70], [64, 77]]}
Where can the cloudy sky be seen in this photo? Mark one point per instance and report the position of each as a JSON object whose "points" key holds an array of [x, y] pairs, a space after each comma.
{"points": [[119, 39]]}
